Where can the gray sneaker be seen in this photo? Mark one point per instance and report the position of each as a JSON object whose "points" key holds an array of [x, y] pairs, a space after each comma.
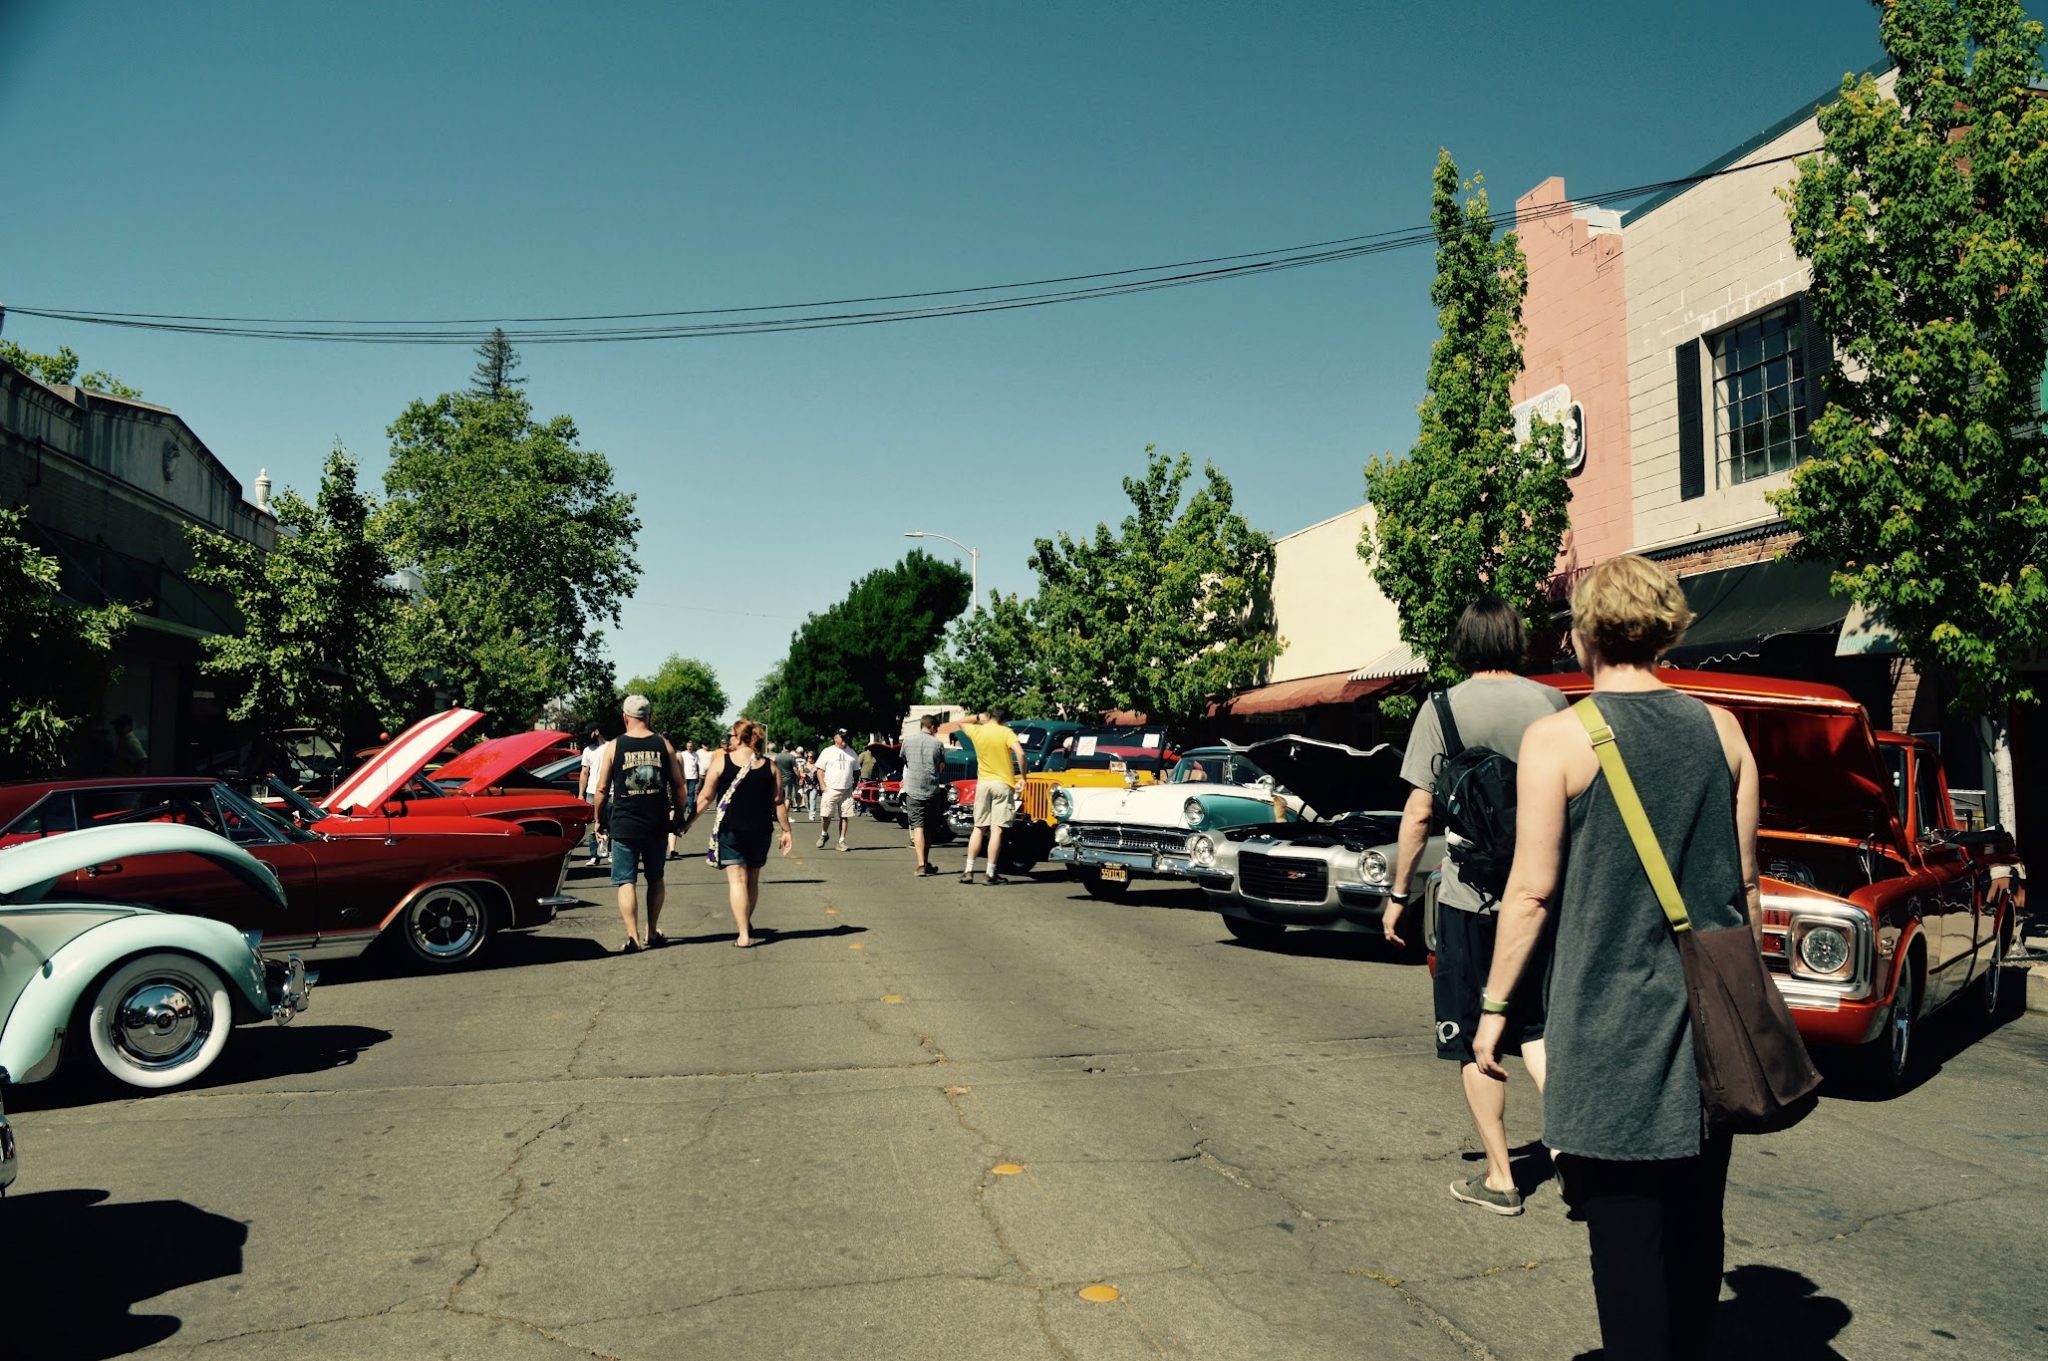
{"points": [[1474, 1191]]}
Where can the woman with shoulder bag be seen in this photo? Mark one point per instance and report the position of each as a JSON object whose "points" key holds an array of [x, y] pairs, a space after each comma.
{"points": [[750, 800], [1623, 1108]]}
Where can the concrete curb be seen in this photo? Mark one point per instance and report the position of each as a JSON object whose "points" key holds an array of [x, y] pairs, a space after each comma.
{"points": [[2037, 989]]}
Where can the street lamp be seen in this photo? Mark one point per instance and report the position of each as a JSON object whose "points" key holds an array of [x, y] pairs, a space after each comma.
{"points": [[973, 560]]}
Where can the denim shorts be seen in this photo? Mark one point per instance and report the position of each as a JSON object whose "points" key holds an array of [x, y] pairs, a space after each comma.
{"points": [[738, 846], [640, 856]]}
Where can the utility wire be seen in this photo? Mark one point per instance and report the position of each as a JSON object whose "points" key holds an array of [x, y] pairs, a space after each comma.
{"points": [[760, 319]]}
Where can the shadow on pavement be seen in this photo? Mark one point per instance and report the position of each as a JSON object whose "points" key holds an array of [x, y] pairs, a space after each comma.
{"points": [[768, 935], [1940, 1037], [1775, 1313], [83, 1263], [253, 1053]]}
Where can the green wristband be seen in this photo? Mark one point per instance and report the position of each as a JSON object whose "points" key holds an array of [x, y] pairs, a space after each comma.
{"points": [[1488, 1006]]}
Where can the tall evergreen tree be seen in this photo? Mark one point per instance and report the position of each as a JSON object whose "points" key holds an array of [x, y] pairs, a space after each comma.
{"points": [[1471, 509], [496, 364]]}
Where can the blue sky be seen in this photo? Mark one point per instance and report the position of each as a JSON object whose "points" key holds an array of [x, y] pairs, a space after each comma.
{"points": [[515, 158]]}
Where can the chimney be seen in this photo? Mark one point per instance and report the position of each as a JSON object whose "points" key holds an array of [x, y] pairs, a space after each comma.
{"points": [[263, 490]]}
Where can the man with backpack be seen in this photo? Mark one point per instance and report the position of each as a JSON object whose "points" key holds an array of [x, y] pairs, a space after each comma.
{"points": [[1460, 764]]}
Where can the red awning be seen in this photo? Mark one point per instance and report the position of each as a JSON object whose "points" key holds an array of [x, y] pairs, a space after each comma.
{"points": [[1310, 692]]}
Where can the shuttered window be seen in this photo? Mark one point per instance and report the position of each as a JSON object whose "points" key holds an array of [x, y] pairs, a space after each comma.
{"points": [[1692, 454]]}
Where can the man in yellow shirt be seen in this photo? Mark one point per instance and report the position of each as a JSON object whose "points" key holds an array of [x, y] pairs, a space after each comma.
{"points": [[1000, 757]]}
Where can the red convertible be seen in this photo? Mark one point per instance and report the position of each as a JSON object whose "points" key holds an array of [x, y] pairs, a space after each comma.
{"points": [[1879, 908], [442, 885]]}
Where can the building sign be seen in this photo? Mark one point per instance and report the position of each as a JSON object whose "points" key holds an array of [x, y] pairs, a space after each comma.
{"points": [[1556, 405]]}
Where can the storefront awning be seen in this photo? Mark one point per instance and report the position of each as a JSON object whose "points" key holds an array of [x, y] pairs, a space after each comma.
{"points": [[1396, 663], [1737, 608], [1310, 692]]}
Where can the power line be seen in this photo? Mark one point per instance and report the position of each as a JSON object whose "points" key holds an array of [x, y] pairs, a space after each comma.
{"points": [[765, 318]]}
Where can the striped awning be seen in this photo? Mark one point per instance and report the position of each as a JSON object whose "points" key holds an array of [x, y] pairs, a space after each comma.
{"points": [[1309, 692], [1395, 663]]}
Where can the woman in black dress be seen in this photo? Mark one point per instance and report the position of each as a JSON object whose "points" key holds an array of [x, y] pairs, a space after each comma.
{"points": [[742, 785]]}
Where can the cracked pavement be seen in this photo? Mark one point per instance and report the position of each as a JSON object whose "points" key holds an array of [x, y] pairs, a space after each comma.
{"points": [[705, 1151]]}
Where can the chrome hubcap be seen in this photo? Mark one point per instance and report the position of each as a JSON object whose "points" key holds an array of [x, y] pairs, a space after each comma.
{"points": [[1902, 1026], [161, 1022], [447, 925], [1991, 980]]}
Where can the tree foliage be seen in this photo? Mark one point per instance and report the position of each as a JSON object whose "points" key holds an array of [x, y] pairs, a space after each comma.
{"points": [[57, 656], [768, 709], [861, 664], [1925, 219], [316, 614], [688, 700], [994, 656], [61, 369], [522, 545], [1471, 509], [1159, 615]]}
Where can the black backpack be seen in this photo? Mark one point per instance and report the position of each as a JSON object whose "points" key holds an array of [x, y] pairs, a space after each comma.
{"points": [[1475, 791]]}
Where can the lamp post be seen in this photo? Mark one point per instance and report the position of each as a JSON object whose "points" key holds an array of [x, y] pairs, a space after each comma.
{"points": [[973, 560]]}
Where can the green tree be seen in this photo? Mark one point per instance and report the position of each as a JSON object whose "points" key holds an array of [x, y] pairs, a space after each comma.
{"points": [[495, 364], [57, 669], [994, 656], [688, 700], [522, 545], [861, 664], [1925, 220], [768, 709], [61, 369], [1471, 509], [316, 613], [1163, 613]]}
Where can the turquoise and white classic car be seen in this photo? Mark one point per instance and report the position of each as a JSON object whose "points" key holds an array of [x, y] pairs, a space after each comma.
{"points": [[153, 996], [1108, 837]]}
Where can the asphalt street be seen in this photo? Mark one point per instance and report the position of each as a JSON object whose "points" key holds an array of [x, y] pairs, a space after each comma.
{"points": [[926, 1121]]}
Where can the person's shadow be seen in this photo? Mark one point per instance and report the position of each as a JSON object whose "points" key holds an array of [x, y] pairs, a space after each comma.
{"points": [[1775, 1313], [69, 1301]]}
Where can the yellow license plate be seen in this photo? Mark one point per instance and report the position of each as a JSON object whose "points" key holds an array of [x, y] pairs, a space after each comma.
{"points": [[1114, 874]]}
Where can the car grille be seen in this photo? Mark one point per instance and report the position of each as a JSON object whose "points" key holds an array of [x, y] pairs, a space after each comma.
{"points": [[1146, 840], [1283, 878], [1038, 799]]}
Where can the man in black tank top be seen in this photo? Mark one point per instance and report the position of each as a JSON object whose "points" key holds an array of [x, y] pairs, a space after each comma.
{"points": [[637, 791]]}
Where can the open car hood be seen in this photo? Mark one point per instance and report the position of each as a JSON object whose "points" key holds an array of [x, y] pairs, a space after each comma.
{"points": [[1332, 778], [489, 763], [1816, 756], [29, 870], [386, 773]]}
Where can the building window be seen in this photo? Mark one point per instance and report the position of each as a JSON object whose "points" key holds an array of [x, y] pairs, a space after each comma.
{"points": [[1760, 395]]}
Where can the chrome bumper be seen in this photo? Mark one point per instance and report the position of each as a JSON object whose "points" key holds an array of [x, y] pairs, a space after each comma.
{"points": [[1137, 862], [290, 987]]}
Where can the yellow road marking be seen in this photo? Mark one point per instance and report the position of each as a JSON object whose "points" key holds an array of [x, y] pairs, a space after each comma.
{"points": [[1007, 1169], [1100, 1294], [892, 997]]}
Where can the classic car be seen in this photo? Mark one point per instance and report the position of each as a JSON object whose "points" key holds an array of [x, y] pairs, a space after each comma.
{"points": [[443, 885], [9, 1160], [1041, 737], [1330, 870], [1108, 755], [472, 784], [153, 997], [1110, 836], [1878, 908]]}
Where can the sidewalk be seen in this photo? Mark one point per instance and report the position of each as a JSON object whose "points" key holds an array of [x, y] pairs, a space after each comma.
{"points": [[2036, 946]]}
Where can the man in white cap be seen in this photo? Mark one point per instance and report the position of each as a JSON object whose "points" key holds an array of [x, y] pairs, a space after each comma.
{"points": [[641, 778]]}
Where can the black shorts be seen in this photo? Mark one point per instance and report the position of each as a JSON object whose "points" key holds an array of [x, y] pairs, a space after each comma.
{"points": [[924, 810], [1464, 954]]}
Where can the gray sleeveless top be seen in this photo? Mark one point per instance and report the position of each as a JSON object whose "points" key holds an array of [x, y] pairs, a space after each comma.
{"points": [[1622, 1084]]}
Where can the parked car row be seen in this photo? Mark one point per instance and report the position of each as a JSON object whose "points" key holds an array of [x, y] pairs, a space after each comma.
{"points": [[1878, 906]]}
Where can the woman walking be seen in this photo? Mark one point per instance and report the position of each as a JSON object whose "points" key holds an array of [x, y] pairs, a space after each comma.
{"points": [[750, 799], [1622, 1106]]}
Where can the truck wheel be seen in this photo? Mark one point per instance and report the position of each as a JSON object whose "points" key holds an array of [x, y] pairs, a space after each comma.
{"points": [[160, 1020], [1887, 1061]]}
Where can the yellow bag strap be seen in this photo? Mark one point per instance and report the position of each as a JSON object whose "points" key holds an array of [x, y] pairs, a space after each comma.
{"points": [[1633, 814]]}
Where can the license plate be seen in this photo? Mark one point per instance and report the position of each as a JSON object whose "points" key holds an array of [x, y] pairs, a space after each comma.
{"points": [[1114, 874]]}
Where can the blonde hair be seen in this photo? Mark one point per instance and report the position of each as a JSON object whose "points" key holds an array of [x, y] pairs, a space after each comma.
{"points": [[747, 733], [1630, 608]]}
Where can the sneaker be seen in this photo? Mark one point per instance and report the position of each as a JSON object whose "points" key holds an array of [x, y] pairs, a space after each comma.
{"points": [[995, 879], [631, 947], [1474, 1191], [821, 841], [842, 845], [968, 877]]}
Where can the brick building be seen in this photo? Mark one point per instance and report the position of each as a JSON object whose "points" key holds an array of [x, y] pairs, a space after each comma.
{"points": [[109, 486]]}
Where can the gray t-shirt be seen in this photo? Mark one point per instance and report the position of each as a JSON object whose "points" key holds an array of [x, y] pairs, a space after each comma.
{"points": [[1490, 711], [923, 756]]}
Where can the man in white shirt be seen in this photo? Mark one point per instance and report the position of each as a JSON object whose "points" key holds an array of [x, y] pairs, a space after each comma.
{"points": [[593, 747], [693, 771], [838, 773]]}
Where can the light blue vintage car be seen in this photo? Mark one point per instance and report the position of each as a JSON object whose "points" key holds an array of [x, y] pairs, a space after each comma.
{"points": [[1109, 836], [151, 995]]}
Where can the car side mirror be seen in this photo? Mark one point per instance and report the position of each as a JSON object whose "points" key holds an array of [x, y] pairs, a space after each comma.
{"points": [[1994, 840], [394, 809]]}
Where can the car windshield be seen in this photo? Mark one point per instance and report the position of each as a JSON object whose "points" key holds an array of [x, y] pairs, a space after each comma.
{"points": [[246, 820], [1215, 767], [1112, 748]]}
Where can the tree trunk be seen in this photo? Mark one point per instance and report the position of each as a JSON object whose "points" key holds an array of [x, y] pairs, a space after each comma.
{"points": [[1998, 725]]}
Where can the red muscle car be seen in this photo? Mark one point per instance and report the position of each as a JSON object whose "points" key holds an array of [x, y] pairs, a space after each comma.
{"points": [[1879, 908], [442, 885]]}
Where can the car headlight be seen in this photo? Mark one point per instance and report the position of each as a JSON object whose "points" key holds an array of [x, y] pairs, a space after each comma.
{"points": [[1063, 834], [1202, 851], [952, 794], [1372, 867], [1824, 949], [1061, 804], [1191, 812]]}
